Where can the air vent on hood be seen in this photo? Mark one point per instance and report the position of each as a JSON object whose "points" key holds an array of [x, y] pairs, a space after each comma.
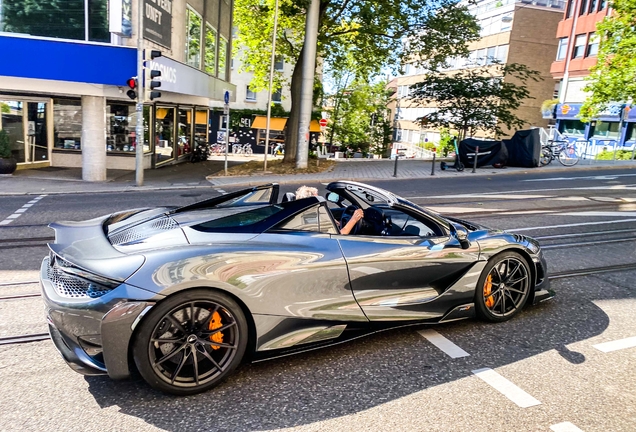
{"points": [[142, 231]]}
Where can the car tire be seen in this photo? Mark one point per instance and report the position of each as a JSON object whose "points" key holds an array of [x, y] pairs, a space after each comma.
{"points": [[503, 288], [190, 342]]}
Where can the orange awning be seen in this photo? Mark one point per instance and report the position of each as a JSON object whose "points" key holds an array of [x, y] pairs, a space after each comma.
{"points": [[314, 126], [275, 123]]}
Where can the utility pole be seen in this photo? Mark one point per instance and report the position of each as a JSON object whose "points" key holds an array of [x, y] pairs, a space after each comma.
{"points": [[139, 129], [307, 89], [271, 81]]}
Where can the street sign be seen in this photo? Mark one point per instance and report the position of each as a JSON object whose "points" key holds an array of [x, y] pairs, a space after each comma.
{"points": [[323, 122], [226, 109], [226, 97]]}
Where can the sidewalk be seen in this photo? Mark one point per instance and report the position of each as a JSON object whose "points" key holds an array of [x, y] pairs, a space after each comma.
{"points": [[55, 180]]}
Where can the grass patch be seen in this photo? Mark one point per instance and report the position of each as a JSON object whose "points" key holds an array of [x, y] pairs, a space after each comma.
{"points": [[278, 167]]}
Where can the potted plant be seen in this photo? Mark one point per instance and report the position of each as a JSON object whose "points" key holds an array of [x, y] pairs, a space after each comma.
{"points": [[547, 108], [7, 163]]}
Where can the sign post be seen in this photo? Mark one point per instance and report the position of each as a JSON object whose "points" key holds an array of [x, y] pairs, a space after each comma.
{"points": [[226, 113]]}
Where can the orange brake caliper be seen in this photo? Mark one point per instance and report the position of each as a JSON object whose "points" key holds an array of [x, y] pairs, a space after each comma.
{"points": [[490, 299], [215, 323]]}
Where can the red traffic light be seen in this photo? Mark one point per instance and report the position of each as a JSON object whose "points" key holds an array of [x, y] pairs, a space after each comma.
{"points": [[132, 83]]}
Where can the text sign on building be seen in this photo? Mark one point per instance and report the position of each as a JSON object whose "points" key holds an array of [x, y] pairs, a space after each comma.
{"points": [[158, 21], [120, 17]]}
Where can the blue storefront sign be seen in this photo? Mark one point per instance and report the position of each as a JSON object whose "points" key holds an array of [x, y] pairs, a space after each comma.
{"points": [[83, 62], [567, 111]]}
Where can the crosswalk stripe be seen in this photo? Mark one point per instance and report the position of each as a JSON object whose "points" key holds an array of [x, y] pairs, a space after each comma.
{"points": [[443, 344], [565, 427], [616, 345], [506, 388]]}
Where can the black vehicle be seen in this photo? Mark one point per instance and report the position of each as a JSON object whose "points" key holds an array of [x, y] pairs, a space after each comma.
{"points": [[200, 152], [185, 294]]}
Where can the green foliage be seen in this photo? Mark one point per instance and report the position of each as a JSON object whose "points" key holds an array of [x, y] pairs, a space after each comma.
{"points": [[548, 104], [5, 150], [612, 78], [620, 155], [370, 31], [429, 146], [4, 108], [446, 144], [475, 99]]}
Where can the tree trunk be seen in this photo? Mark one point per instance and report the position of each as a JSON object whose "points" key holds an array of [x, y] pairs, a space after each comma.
{"points": [[291, 134]]}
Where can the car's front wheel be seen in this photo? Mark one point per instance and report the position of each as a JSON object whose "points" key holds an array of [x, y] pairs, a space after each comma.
{"points": [[189, 343], [503, 287]]}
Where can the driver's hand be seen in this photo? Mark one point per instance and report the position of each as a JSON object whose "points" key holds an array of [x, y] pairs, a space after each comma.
{"points": [[357, 215]]}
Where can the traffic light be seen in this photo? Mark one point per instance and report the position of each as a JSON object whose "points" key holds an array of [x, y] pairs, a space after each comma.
{"points": [[132, 83], [150, 74]]}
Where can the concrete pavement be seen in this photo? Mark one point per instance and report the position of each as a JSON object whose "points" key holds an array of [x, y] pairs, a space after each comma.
{"points": [[56, 180]]}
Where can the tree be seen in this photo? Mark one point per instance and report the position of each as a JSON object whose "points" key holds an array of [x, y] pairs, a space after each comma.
{"points": [[373, 31], [475, 99], [612, 78]]}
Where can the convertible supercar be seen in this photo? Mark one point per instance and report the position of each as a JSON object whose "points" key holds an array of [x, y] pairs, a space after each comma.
{"points": [[185, 294]]}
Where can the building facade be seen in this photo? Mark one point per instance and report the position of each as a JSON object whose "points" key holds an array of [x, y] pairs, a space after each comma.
{"points": [[66, 103], [578, 46], [511, 32]]}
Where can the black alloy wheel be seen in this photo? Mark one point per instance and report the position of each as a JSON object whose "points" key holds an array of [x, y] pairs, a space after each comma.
{"points": [[190, 342], [503, 287]]}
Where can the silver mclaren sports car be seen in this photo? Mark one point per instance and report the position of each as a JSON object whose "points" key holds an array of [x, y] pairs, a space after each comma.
{"points": [[184, 295]]}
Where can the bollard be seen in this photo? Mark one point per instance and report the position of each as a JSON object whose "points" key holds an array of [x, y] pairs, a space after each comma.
{"points": [[633, 150], [615, 148], [475, 161], [397, 156], [433, 167]]}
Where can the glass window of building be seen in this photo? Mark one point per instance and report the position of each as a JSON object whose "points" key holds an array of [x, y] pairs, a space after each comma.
{"points": [[490, 55], [277, 96], [63, 19], [201, 126], [592, 45], [506, 22], [583, 9], [184, 132], [210, 50], [193, 38], [249, 94], [164, 134], [609, 130], [222, 58], [579, 46], [121, 123], [279, 64], [562, 49], [502, 53], [67, 124], [569, 9], [593, 6], [602, 5], [12, 122], [572, 127]]}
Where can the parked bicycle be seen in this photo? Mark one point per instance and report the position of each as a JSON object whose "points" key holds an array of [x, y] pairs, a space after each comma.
{"points": [[563, 151]]}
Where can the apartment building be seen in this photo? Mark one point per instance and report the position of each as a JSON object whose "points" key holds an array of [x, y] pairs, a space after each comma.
{"points": [[578, 45], [63, 80], [511, 32]]}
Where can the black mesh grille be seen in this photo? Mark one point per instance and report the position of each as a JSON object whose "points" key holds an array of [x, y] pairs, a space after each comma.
{"points": [[143, 230], [71, 286]]}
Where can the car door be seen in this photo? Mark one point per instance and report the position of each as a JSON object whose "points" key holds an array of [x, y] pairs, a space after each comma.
{"points": [[407, 274]]}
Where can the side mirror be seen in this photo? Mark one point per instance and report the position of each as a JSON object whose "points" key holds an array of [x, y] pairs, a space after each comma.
{"points": [[333, 197], [462, 237]]}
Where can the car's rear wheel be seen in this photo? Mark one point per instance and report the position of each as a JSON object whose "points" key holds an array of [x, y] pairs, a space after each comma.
{"points": [[191, 342], [503, 287]]}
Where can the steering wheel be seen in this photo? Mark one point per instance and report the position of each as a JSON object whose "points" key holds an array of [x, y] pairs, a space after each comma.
{"points": [[346, 217]]}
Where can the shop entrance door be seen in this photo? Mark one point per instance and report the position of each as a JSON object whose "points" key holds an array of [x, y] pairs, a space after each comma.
{"points": [[26, 124], [36, 131]]}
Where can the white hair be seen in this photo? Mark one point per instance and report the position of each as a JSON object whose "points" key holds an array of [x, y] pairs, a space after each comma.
{"points": [[306, 192]]}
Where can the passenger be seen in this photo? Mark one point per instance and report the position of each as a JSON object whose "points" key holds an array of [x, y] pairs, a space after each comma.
{"points": [[307, 191]]}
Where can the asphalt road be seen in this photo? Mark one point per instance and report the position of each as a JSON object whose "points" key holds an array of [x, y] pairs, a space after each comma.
{"points": [[545, 370]]}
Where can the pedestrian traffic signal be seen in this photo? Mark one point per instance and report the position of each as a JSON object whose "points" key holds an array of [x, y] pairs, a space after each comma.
{"points": [[150, 74], [132, 84]]}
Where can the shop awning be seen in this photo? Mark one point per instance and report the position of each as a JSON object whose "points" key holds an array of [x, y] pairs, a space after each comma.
{"points": [[275, 123], [314, 126]]}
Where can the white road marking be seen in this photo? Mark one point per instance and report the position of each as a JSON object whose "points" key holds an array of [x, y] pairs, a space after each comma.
{"points": [[463, 209], [570, 198], [565, 427], [599, 213], [570, 225], [495, 194], [616, 345], [506, 388], [221, 191], [444, 344], [605, 177], [20, 211], [530, 212]]}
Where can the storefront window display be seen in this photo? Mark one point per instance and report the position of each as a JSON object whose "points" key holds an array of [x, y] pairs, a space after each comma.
{"points": [[121, 123], [572, 127], [607, 130], [164, 134], [67, 124], [184, 143], [201, 126], [13, 124]]}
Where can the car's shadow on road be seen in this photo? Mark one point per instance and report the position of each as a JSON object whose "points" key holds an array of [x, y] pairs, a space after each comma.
{"points": [[363, 374]]}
